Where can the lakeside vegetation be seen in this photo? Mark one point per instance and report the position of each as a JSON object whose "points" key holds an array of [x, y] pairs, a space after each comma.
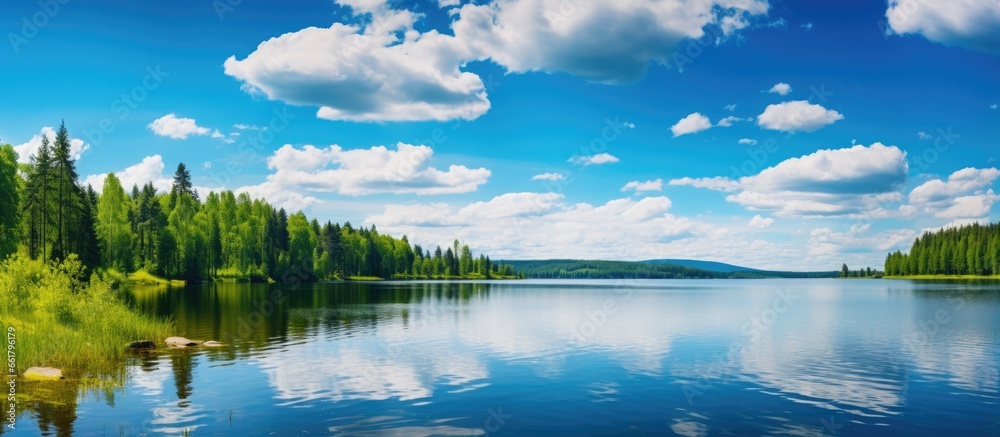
{"points": [[966, 252], [585, 269], [61, 318], [67, 252], [147, 235]]}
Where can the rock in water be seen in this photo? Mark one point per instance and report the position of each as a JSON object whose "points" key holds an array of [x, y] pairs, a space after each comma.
{"points": [[180, 342], [211, 343], [43, 374], [142, 344]]}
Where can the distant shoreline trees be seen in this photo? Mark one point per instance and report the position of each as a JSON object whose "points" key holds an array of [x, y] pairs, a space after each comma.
{"points": [[968, 250], [866, 272], [45, 212]]}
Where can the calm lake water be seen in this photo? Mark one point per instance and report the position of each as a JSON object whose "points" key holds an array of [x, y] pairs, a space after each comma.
{"points": [[593, 357]]}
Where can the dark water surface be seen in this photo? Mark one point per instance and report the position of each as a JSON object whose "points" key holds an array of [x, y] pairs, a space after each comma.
{"points": [[685, 357]]}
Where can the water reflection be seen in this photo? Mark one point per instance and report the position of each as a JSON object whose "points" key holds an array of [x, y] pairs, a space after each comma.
{"points": [[690, 357]]}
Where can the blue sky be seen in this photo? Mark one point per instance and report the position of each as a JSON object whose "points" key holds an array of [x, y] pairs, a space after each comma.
{"points": [[537, 128]]}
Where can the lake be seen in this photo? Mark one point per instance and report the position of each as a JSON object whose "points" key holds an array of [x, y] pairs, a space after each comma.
{"points": [[544, 357]]}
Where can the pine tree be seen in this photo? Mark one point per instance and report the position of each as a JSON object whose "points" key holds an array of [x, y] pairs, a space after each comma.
{"points": [[67, 197], [36, 201], [182, 185], [90, 250]]}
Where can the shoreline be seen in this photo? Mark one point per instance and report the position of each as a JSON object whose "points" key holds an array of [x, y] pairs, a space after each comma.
{"points": [[946, 277], [177, 283]]}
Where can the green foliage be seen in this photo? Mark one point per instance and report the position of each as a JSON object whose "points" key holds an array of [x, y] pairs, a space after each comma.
{"points": [[9, 201], [174, 235], [968, 250], [57, 214], [113, 230], [63, 320], [182, 185], [301, 241]]}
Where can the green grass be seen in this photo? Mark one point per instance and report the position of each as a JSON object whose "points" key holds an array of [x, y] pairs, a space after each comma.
{"points": [[364, 278], [139, 277], [64, 321], [241, 276], [142, 277]]}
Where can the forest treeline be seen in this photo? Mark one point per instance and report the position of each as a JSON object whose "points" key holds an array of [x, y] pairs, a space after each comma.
{"points": [[967, 250], [584, 269], [46, 213]]}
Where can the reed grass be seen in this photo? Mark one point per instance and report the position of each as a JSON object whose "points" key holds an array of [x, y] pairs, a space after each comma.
{"points": [[62, 320]]}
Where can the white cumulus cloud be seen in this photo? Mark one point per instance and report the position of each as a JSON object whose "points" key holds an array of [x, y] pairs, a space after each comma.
{"points": [[693, 123], [833, 182], [388, 70], [973, 24], [760, 222], [405, 170], [603, 41], [780, 88], [178, 128], [795, 116], [965, 194]]}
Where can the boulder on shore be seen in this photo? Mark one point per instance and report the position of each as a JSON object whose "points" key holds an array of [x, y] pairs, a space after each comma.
{"points": [[142, 344], [43, 374], [180, 342]]}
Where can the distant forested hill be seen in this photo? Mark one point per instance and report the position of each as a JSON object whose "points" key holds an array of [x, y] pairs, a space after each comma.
{"points": [[586, 269], [712, 266]]}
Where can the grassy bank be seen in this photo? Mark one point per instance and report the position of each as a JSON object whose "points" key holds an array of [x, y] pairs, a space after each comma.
{"points": [[63, 320], [364, 278], [143, 277], [139, 277], [253, 275]]}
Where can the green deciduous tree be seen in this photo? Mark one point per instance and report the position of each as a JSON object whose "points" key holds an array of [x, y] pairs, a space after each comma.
{"points": [[113, 228], [10, 201]]}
